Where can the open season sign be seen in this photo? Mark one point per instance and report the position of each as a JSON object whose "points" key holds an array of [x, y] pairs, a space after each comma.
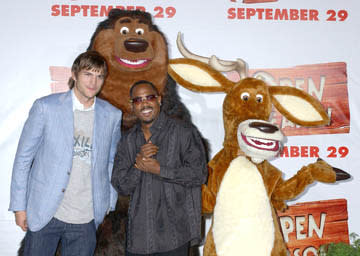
{"points": [[306, 226]]}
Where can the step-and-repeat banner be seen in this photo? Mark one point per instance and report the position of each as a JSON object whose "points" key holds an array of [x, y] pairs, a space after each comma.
{"points": [[312, 45]]}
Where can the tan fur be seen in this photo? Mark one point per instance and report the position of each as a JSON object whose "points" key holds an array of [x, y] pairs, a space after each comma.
{"points": [[242, 192]]}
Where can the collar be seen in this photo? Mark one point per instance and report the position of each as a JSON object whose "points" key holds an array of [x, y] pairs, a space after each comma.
{"points": [[158, 123], [77, 105]]}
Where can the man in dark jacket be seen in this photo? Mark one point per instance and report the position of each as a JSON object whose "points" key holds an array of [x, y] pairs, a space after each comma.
{"points": [[161, 164]]}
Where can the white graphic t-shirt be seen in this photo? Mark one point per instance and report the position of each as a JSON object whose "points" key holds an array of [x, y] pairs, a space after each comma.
{"points": [[77, 204]]}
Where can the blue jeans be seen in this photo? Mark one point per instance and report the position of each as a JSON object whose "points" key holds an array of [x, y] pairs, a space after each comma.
{"points": [[76, 239]]}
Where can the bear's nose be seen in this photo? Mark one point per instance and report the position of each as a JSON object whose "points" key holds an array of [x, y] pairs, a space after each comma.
{"points": [[136, 45]]}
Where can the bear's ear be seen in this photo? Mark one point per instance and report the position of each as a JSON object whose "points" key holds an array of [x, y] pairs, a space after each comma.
{"points": [[197, 76], [298, 106]]}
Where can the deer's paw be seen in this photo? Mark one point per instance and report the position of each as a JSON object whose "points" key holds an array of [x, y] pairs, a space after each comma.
{"points": [[324, 172], [341, 175]]}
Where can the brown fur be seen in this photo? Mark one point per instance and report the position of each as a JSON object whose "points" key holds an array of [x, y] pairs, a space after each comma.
{"points": [[235, 111], [111, 43]]}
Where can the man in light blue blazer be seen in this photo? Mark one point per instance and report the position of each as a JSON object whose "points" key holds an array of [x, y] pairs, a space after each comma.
{"points": [[60, 188]]}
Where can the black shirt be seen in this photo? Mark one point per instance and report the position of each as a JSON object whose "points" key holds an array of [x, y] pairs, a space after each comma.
{"points": [[165, 209]]}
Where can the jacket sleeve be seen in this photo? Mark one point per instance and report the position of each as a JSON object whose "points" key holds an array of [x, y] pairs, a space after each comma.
{"points": [[125, 177], [28, 146], [193, 169], [114, 141]]}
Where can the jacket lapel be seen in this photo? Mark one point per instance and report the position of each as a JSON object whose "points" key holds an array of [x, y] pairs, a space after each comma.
{"points": [[100, 124], [65, 117]]}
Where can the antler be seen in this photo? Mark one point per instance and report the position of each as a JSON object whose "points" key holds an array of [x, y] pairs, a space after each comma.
{"points": [[240, 66]]}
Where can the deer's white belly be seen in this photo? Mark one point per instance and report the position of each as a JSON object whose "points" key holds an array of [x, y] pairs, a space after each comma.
{"points": [[243, 224]]}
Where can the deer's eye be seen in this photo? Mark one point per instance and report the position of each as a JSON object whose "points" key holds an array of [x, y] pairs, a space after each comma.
{"points": [[245, 96], [259, 98]]}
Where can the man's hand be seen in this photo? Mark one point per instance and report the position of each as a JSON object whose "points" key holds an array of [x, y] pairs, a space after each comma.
{"points": [[20, 219], [147, 164], [144, 160], [148, 150]]}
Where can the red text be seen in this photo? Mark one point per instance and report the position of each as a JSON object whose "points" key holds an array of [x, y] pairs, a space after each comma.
{"points": [[273, 14], [302, 151]]}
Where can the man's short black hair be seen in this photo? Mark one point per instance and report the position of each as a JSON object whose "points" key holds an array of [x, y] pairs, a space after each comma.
{"points": [[143, 82]]}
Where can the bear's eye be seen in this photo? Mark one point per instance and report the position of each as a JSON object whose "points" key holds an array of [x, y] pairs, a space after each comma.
{"points": [[124, 30], [259, 98], [139, 31], [245, 96]]}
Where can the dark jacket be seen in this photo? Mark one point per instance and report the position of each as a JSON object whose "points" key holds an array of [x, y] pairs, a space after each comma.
{"points": [[165, 209]]}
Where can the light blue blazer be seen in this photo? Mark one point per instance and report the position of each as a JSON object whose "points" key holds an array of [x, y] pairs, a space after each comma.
{"points": [[44, 157]]}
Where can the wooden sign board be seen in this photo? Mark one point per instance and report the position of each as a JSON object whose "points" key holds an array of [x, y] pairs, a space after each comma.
{"points": [[306, 226], [60, 77]]}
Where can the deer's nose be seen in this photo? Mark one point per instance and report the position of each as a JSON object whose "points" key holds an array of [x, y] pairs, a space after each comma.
{"points": [[264, 127]]}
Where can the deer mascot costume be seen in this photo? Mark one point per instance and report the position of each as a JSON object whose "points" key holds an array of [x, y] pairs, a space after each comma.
{"points": [[244, 189]]}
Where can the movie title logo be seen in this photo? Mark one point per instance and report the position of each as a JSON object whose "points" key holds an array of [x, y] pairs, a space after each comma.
{"points": [[326, 82], [306, 226]]}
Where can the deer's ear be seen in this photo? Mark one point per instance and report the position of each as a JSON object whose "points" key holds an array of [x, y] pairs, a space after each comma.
{"points": [[298, 106], [197, 76]]}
